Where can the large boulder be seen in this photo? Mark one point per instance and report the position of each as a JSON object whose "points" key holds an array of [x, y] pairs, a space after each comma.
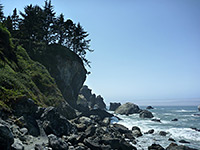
{"points": [[128, 108], [114, 106], [6, 137], [149, 107], [155, 147], [146, 114], [54, 123], [57, 143]]}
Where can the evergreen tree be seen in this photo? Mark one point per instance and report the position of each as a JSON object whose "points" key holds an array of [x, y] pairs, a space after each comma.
{"points": [[60, 30], [1, 13], [70, 28], [15, 20], [80, 44], [8, 24], [48, 21]]}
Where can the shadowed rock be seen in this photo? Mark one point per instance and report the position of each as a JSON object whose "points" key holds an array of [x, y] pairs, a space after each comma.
{"points": [[114, 106], [146, 114], [127, 109]]}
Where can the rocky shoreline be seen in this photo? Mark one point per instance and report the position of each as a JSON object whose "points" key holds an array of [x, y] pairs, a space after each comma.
{"points": [[37, 128]]}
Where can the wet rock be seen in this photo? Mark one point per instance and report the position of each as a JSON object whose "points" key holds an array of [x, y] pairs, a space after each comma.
{"points": [[149, 107], [91, 144], [150, 131], [163, 133], [85, 120], [54, 123], [156, 120], [183, 141], [136, 131], [6, 137], [198, 130], [175, 119], [106, 121], [127, 109], [155, 147], [114, 106], [146, 114], [99, 103], [57, 143], [199, 107], [121, 129], [170, 139], [174, 146]]}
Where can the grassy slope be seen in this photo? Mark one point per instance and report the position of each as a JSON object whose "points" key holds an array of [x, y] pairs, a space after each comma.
{"points": [[20, 76]]}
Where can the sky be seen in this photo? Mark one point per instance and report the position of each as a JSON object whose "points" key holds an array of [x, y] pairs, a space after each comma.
{"points": [[145, 51]]}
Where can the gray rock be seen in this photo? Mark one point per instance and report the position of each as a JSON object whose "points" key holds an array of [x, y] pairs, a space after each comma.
{"points": [[6, 137], [199, 107], [114, 106], [163, 133], [106, 121], [175, 119], [136, 131], [183, 141], [85, 120], [155, 147], [127, 108], [146, 114], [150, 131], [99, 103], [54, 123], [57, 143], [170, 139], [121, 128], [23, 131], [174, 146], [156, 120], [149, 107]]}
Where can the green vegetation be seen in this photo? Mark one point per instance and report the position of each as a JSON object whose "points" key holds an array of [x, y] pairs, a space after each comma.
{"points": [[22, 77]]}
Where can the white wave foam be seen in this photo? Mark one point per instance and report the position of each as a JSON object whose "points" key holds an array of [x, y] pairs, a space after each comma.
{"points": [[183, 110], [185, 133]]}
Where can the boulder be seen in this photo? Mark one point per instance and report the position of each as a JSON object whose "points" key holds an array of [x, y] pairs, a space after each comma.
{"points": [[6, 137], [136, 131], [174, 146], [85, 120], [127, 108], [199, 107], [175, 119], [99, 103], [150, 131], [155, 147], [121, 128], [57, 143], [54, 123], [170, 139], [156, 120], [149, 107], [17, 145], [114, 106], [146, 114], [163, 133], [183, 141]]}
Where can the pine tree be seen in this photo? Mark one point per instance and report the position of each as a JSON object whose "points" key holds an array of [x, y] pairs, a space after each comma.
{"points": [[1, 13], [15, 20], [70, 28], [8, 24], [48, 21]]}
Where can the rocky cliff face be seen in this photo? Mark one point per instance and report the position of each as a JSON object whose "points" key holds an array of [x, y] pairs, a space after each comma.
{"points": [[66, 68]]}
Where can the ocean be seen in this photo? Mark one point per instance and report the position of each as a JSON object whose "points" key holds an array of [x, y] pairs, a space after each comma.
{"points": [[188, 118]]}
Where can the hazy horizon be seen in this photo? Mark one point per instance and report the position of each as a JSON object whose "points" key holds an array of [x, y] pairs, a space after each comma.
{"points": [[145, 51]]}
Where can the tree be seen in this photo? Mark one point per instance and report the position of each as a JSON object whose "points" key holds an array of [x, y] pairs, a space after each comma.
{"points": [[15, 20], [48, 21], [60, 30], [80, 45], [1, 13], [8, 24]]}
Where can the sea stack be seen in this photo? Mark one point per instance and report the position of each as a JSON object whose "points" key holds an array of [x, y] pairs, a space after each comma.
{"points": [[199, 107]]}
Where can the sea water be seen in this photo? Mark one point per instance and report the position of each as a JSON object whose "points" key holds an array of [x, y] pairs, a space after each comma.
{"points": [[188, 118]]}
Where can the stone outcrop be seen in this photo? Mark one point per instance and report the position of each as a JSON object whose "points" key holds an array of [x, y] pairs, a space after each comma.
{"points": [[127, 109], [146, 114], [149, 107], [199, 107], [114, 106], [87, 100]]}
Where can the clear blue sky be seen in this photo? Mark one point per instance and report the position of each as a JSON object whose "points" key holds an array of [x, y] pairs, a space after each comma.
{"points": [[146, 51]]}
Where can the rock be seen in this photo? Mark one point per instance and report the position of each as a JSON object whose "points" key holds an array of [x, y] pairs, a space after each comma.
{"points": [[17, 145], [114, 106], [91, 144], [90, 131], [41, 147], [146, 114], [99, 103], [198, 130], [183, 141], [127, 108], [174, 146], [106, 121], [24, 106], [81, 127], [155, 147], [175, 119], [57, 143], [54, 123], [163, 133], [121, 128], [150, 131], [66, 110], [136, 131], [156, 120], [149, 107], [6, 137], [23, 131], [199, 107], [170, 139], [85, 120]]}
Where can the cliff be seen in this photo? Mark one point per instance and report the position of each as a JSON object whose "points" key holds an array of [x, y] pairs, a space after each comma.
{"points": [[21, 77]]}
